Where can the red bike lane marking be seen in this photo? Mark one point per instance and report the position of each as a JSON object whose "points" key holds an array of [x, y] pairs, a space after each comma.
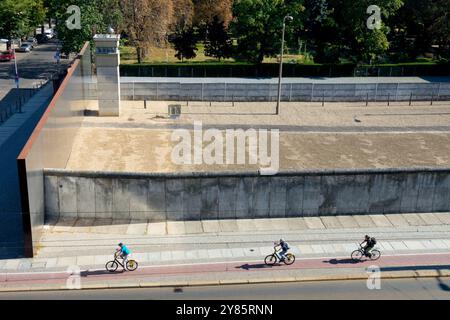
{"points": [[158, 271]]}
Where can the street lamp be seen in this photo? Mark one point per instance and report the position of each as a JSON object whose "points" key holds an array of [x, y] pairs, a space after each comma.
{"points": [[289, 18]]}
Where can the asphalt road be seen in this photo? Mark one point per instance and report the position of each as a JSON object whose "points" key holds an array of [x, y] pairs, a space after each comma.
{"points": [[33, 67], [391, 289]]}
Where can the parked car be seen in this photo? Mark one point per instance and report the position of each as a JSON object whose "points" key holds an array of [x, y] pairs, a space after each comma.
{"points": [[49, 33], [32, 40], [25, 47], [7, 55], [41, 38], [30, 43]]}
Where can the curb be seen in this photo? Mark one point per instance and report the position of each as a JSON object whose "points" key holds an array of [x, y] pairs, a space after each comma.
{"points": [[199, 283]]}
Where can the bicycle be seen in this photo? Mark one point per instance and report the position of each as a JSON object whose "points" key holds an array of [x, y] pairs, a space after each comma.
{"points": [[273, 258], [112, 265], [358, 254]]}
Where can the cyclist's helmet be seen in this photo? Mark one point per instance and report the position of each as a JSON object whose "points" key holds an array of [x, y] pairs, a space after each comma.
{"points": [[120, 244], [281, 240], [367, 237]]}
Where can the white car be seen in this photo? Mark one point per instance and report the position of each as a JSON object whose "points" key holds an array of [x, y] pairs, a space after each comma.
{"points": [[49, 33]]}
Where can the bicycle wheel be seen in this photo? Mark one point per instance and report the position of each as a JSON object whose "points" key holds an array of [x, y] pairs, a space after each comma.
{"points": [[357, 255], [111, 266], [270, 260], [132, 265], [290, 258], [375, 254]]}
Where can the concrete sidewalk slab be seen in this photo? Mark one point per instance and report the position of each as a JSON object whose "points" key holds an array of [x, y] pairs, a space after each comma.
{"points": [[297, 224], [397, 220], [314, 223], [380, 220], [413, 219], [137, 227], [444, 217], [364, 221], [348, 222], [193, 227], [331, 222], [211, 226], [157, 228], [430, 219], [228, 225], [175, 227]]}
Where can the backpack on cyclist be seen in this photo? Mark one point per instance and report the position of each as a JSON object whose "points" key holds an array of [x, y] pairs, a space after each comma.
{"points": [[373, 240]]}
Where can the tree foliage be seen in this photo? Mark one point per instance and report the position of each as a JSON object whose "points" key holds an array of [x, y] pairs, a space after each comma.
{"points": [[218, 43]]}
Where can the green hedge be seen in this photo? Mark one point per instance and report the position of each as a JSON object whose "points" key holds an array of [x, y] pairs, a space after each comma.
{"points": [[289, 70]]}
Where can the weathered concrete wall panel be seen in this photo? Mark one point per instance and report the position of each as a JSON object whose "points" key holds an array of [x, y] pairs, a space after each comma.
{"points": [[212, 196]]}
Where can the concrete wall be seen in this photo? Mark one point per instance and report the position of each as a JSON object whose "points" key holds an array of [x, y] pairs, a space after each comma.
{"points": [[50, 145], [198, 196], [266, 90]]}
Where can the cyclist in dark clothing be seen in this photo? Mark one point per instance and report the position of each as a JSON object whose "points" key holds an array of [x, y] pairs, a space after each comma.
{"points": [[368, 244]]}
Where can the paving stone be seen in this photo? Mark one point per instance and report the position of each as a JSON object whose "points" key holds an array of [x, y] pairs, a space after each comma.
{"points": [[85, 260], [364, 221], [12, 264], [214, 253], [193, 227], [140, 256], [297, 224], [397, 220], [439, 244], [226, 253], [178, 255], [155, 257], [380, 220], [398, 245], [102, 259], [280, 223], [137, 227], [348, 222], [237, 252], [413, 219], [385, 246], [165, 256], [228, 225], [264, 225], [156, 228], [66, 261], [428, 244], [430, 219], [444, 217], [317, 248], [414, 245], [192, 254], [314, 223], [331, 222], [175, 227], [338, 247], [328, 248], [211, 226], [305, 249]]}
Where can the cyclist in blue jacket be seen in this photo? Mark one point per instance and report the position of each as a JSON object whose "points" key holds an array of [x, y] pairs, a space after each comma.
{"points": [[124, 254]]}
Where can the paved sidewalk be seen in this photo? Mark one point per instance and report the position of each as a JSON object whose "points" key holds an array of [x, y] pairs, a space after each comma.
{"points": [[91, 245]]}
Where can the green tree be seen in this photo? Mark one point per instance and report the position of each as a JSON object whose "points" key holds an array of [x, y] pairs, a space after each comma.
{"points": [[92, 20], [218, 43], [184, 41], [257, 26], [18, 18]]}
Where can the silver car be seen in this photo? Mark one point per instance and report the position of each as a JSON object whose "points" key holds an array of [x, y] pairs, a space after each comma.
{"points": [[25, 47]]}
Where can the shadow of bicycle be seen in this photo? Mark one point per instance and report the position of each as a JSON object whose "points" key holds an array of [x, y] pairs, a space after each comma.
{"points": [[256, 266], [88, 273], [343, 261]]}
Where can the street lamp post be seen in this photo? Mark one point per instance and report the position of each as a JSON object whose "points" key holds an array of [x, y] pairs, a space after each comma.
{"points": [[15, 65], [289, 18]]}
